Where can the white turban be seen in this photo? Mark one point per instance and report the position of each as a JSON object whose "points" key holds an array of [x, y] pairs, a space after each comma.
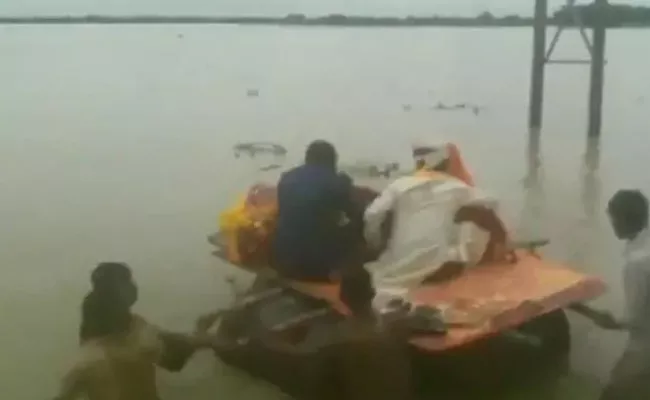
{"points": [[430, 153]]}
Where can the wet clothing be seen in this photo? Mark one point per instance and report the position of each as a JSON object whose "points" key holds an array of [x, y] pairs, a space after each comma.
{"points": [[631, 376], [318, 225]]}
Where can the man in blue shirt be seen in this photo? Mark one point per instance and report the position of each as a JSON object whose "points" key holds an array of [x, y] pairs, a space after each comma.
{"points": [[319, 227]]}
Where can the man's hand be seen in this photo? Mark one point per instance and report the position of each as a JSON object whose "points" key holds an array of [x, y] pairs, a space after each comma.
{"points": [[603, 319], [606, 320]]}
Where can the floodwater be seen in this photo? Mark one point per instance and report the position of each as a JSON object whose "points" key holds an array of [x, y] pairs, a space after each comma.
{"points": [[115, 144]]}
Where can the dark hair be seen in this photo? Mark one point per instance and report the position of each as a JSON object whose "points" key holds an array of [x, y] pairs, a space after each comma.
{"points": [[104, 310], [630, 209], [320, 152], [357, 290]]}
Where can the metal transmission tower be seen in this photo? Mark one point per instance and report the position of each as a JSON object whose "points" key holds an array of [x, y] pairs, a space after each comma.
{"points": [[542, 57]]}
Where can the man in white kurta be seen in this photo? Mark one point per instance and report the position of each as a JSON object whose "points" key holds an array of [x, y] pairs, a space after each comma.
{"points": [[426, 231]]}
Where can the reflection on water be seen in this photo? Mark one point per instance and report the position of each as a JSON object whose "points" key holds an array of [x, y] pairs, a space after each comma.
{"points": [[532, 216], [534, 194], [588, 222], [591, 185]]}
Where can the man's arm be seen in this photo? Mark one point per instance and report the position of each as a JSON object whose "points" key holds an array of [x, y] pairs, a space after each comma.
{"points": [[169, 350], [636, 279], [483, 217], [375, 216], [488, 220], [348, 206], [477, 207], [602, 318], [72, 386], [178, 348]]}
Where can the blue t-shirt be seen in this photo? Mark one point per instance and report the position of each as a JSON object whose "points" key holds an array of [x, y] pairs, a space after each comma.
{"points": [[309, 239]]}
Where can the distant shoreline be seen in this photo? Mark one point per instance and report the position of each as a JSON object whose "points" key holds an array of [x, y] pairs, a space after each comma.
{"points": [[308, 22], [614, 16], [282, 21], [359, 22]]}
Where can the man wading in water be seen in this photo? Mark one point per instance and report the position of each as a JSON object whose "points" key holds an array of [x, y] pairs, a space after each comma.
{"points": [[120, 350], [630, 379]]}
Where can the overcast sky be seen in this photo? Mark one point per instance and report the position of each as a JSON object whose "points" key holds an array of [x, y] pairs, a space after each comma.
{"points": [[274, 7]]}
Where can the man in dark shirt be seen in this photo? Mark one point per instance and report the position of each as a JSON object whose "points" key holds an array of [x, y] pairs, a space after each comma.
{"points": [[318, 225]]}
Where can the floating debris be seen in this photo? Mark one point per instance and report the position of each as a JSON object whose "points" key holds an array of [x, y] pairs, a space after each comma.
{"points": [[252, 93], [445, 107], [270, 167], [371, 170], [407, 107], [476, 109], [254, 148]]}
